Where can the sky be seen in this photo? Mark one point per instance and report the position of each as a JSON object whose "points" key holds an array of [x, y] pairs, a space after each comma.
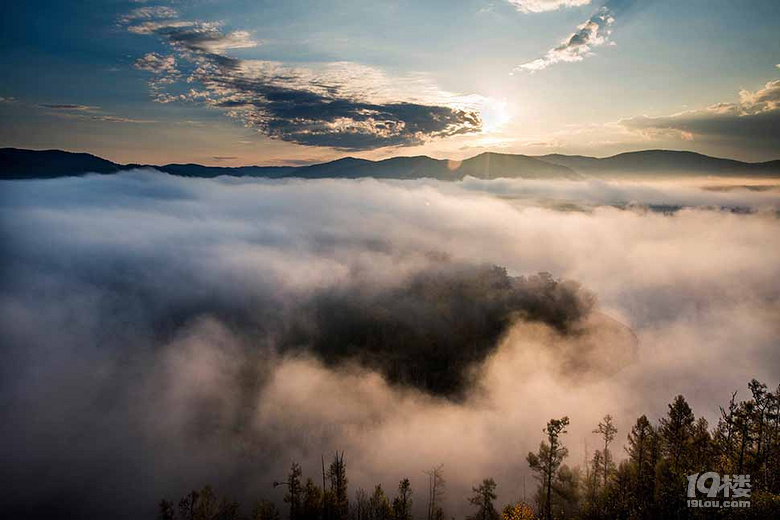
{"points": [[294, 82]]}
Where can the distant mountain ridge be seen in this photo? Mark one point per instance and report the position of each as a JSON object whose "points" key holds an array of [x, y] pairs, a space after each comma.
{"points": [[661, 161], [18, 163]]}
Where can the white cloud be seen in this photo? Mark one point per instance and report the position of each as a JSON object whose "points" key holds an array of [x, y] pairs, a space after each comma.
{"points": [[101, 265], [593, 33], [153, 62], [149, 13], [538, 6]]}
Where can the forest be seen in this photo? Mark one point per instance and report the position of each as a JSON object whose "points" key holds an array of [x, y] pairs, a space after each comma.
{"points": [[655, 475]]}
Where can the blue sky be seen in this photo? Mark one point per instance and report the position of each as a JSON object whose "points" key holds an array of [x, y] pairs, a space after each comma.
{"points": [[262, 82]]}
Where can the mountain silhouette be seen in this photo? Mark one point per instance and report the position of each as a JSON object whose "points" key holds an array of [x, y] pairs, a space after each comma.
{"points": [[41, 164]]}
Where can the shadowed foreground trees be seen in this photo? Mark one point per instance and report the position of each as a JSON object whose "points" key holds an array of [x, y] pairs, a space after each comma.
{"points": [[650, 483]]}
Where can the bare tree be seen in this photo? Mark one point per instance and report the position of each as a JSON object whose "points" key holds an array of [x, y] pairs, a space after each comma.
{"points": [[435, 492]]}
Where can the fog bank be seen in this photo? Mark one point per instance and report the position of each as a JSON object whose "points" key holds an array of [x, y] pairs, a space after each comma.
{"points": [[161, 333]]}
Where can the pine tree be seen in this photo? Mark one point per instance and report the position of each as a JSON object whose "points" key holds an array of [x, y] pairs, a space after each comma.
{"points": [[166, 511], [402, 503], [607, 430], [482, 499], [677, 432], [311, 506], [294, 491], [265, 510], [546, 462], [337, 475]]}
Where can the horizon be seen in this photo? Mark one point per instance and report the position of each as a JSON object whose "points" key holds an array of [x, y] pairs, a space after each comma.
{"points": [[220, 164]]}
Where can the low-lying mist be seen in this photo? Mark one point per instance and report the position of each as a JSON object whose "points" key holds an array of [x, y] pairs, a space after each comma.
{"points": [[160, 333]]}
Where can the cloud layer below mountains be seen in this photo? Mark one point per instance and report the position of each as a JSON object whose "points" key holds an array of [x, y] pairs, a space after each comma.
{"points": [[161, 333]]}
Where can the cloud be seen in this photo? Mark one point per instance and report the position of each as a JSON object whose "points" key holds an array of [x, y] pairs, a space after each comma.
{"points": [[156, 63], [538, 6], [116, 119], [160, 333], [150, 27], [205, 38], [149, 13], [341, 105], [754, 120], [70, 107], [87, 113], [593, 33]]}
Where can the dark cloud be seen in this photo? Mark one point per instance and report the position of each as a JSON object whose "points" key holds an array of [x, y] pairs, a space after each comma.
{"points": [[291, 104], [431, 331], [205, 38], [753, 121], [311, 118], [77, 108]]}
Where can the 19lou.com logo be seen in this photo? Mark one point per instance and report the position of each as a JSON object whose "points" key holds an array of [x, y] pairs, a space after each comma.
{"points": [[721, 491]]}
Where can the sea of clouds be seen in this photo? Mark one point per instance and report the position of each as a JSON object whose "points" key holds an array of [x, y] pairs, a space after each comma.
{"points": [[161, 333]]}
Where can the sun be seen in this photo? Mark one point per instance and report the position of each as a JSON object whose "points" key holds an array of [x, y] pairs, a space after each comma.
{"points": [[496, 114]]}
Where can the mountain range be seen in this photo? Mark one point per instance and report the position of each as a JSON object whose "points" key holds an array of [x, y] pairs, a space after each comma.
{"points": [[18, 163]]}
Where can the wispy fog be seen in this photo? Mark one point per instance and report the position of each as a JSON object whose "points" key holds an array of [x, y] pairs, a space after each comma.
{"points": [[161, 333]]}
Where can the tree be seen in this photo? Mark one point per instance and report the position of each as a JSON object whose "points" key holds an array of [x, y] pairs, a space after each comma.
{"points": [[207, 505], [228, 509], [593, 482], [639, 444], [311, 506], [701, 447], [566, 492], [518, 511], [402, 503], [166, 511], [607, 430], [546, 462], [482, 499], [435, 492], [188, 505], [294, 491], [337, 475], [379, 506], [360, 508], [642, 450], [265, 510], [677, 431]]}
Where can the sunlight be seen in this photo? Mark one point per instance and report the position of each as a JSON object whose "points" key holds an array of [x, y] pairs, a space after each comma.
{"points": [[495, 115]]}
